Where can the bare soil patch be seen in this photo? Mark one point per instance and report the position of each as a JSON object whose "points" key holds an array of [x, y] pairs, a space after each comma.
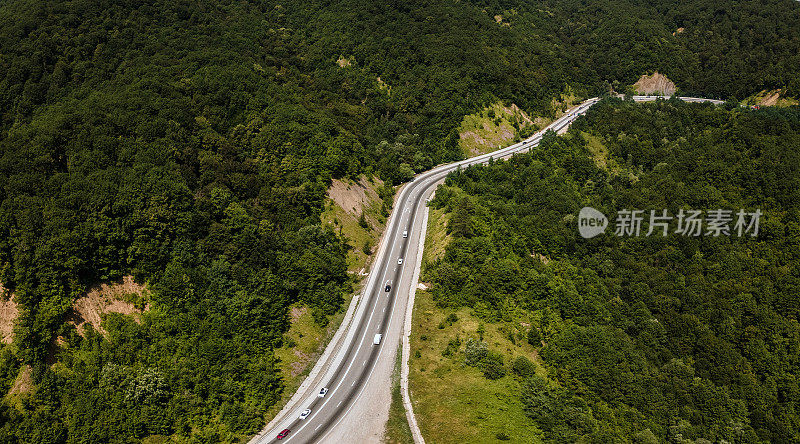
{"points": [[775, 97], [771, 99], [545, 260], [303, 361], [104, 299], [8, 314], [23, 384], [499, 19], [345, 62], [655, 84], [353, 197], [296, 312]]}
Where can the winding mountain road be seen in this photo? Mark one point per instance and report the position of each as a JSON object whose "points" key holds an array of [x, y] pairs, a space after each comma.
{"points": [[357, 372]]}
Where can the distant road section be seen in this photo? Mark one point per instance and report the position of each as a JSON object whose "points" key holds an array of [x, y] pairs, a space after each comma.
{"points": [[356, 405]]}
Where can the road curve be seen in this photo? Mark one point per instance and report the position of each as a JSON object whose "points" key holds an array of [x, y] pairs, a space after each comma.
{"points": [[381, 312]]}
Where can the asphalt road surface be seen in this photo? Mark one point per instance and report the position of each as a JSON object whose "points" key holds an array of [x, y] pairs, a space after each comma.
{"points": [[363, 367]]}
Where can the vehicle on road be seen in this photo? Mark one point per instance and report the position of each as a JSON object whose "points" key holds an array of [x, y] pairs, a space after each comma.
{"points": [[400, 261], [405, 233], [283, 433], [305, 413], [322, 392], [387, 288], [377, 339]]}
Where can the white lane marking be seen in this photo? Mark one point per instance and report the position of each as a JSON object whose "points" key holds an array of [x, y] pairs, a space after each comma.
{"points": [[365, 363], [318, 426], [369, 375], [369, 321], [391, 318], [354, 383], [340, 403], [430, 176]]}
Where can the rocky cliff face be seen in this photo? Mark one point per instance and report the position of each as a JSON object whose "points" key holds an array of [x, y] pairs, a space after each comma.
{"points": [[657, 84]]}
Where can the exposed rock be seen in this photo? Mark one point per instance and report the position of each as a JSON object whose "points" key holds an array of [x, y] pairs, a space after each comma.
{"points": [[353, 197], [8, 314], [657, 84]]}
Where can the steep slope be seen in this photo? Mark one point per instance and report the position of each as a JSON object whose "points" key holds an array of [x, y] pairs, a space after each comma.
{"points": [[642, 338]]}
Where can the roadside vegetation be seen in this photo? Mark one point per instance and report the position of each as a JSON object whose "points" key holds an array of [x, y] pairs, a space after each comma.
{"points": [[641, 339], [397, 428], [454, 400], [303, 344], [357, 210], [775, 97], [493, 127]]}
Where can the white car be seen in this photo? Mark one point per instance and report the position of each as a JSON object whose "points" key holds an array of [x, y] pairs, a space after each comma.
{"points": [[322, 392], [377, 339], [305, 413], [405, 233], [400, 261]]}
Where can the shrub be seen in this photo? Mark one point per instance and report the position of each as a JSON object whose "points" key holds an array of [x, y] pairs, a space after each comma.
{"points": [[523, 366], [452, 317], [493, 366], [320, 318], [452, 347], [474, 352], [534, 338]]}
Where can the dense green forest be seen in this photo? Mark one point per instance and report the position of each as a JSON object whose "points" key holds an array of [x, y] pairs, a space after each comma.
{"points": [[191, 143], [645, 339]]}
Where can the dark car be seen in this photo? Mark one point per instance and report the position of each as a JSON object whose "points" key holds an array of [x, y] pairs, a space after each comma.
{"points": [[283, 433], [388, 287]]}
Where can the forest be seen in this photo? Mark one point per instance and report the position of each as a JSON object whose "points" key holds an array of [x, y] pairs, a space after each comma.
{"points": [[644, 338], [190, 144]]}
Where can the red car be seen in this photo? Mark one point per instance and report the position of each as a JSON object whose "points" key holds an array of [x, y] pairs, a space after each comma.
{"points": [[283, 433]]}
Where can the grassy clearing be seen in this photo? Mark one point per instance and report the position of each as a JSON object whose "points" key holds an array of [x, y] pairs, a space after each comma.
{"points": [[600, 154], [303, 344], [603, 159], [436, 238], [498, 125], [597, 149], [770, 98], [397, 429], [455, 403], [565, 101], [494, 126]]}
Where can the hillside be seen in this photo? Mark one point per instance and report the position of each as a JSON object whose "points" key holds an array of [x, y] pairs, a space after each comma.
{"points": [[191, 145], [642, 338]]}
